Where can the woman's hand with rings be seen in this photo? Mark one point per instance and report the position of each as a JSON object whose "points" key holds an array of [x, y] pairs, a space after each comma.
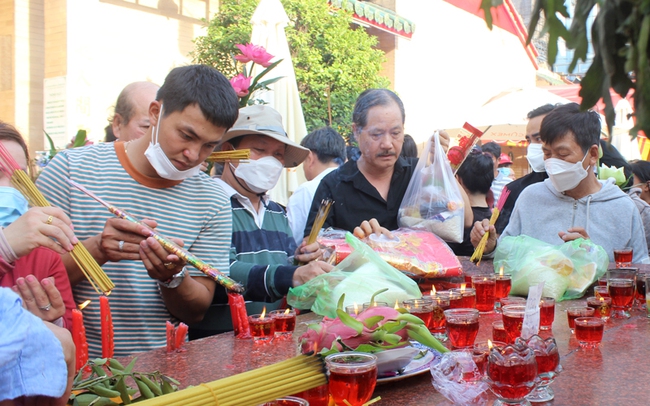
{"points": [[41, 299]]}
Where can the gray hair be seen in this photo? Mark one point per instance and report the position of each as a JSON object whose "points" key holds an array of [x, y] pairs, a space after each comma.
{"points": [[371, 98]]}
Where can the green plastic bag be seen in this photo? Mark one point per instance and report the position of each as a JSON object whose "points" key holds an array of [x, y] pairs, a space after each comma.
{"points": [[567, 270], [359, 276]]}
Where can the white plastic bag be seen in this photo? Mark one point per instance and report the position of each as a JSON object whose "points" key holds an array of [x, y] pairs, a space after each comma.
{"points": [[432, 200]]}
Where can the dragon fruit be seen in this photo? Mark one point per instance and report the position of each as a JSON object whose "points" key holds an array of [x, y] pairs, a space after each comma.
{"points": [[374, 329]]}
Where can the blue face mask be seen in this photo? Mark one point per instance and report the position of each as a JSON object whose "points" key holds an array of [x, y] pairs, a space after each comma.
{"points": [[12, 205]]}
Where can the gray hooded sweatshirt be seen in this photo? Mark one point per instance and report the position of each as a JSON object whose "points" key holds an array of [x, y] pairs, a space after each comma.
{"points": [[609, 216]]}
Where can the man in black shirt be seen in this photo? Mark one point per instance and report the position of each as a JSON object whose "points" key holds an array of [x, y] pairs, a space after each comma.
{"points": [[373, 186]]}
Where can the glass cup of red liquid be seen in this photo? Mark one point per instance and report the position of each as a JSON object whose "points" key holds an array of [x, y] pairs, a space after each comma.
{"points": [[589, 331], [438, 326], [503, 283], [485, 287], [455, 298], [462, 327], [548, 367], [621, 284], [287, 401], [422, 308], [352, 377], [512, 373], [623, 257], [480, 352], [318, 396], [513, 320], [601, 291], [499, 332], [468, 297], [602, 306], [573, 313], [262, 327], [285, 321], [374, 304], [546, 313], [639, 298]]}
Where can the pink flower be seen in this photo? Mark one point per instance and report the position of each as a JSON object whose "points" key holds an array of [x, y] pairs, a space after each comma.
{"points": [[254, 53], [241, 84]]}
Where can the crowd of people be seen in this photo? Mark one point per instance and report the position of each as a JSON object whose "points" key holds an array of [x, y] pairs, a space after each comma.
{"points": [[153, 170]]}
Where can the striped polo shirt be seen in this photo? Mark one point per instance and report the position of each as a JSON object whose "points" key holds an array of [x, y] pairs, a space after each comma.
{"points": [[195, 210]]}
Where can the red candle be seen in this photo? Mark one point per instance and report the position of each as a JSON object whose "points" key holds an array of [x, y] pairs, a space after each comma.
{"points": [[239, 316], [79, 338], [170, 336], [107, 327], [179, 337]]}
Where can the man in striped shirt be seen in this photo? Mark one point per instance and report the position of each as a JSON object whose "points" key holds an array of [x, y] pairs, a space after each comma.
{"points": [[155, 177], [262, 249]]}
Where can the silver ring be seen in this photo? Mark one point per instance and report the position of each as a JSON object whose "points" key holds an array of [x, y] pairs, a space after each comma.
{"points": [[46, 307], [120, 246]]}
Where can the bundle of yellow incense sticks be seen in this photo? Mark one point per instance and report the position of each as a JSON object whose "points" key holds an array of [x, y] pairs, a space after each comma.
{"points": [[253, 387], [222, 156], [478, 251], [321, 216], [21, 181]]}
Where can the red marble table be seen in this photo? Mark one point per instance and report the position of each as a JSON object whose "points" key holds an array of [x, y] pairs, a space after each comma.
{"points": [[614, 374]]}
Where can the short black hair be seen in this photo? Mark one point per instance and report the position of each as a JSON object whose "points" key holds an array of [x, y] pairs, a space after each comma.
{"points": [[492, 148], [409, 148], [542, 110], [477, 172], [641, 169], [568, 119], [327, 144], [204, 86], [371, 98]]}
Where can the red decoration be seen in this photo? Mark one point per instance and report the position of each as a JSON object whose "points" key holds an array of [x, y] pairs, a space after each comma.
{"points": [[107, 327], [79, 339], [176, 337], [239, 316]]}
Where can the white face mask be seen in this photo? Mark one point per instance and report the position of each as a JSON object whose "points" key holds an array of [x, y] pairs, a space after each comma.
{"points": [[535, 157], [565, 175], [260, 175], [158, 159]]}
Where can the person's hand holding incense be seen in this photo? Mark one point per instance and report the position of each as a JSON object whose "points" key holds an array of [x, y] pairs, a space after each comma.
{"points": [[308, 272], [42, 299], [160, 264], [573, 233], [306, 253], [372, 226], [41, 227], [120, 240], [480, 228]]}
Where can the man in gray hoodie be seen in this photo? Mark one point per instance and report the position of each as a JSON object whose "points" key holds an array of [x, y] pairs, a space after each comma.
{"points": [[572, 202]]}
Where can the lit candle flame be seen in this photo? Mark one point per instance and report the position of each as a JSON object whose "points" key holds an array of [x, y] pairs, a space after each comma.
{"points": [[287, 311], [263, 313], [490, 344], [356, 309], [602, 300], [484, 279], [84, 304], [433, 290], [396, 304], [462, 287], [501, 271]]}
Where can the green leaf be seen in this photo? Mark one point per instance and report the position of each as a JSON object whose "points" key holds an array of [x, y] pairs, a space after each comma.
{"points": [[371, 322], [52, 148], [339, 305], [79, 139], [379, 292], [350, 321]]}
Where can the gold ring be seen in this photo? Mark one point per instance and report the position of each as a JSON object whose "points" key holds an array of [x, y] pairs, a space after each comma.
{"points": [[49, 220], [169, 265]]}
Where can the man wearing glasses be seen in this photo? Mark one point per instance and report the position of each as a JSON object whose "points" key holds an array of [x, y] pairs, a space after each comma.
{"points": [[572, 203]]}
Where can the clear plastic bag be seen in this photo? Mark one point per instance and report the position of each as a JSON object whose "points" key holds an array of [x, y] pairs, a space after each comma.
{"points": [[359, 276], [433, 201], [567, 270]]}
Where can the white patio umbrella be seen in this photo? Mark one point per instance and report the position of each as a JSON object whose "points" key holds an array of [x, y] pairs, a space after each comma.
{"points": [[621, 138], [269, 21]]}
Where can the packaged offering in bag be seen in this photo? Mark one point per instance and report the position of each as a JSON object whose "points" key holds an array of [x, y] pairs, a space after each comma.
{"points": [[414, 252], [359, 276], [433, 201], [567, 270]]}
